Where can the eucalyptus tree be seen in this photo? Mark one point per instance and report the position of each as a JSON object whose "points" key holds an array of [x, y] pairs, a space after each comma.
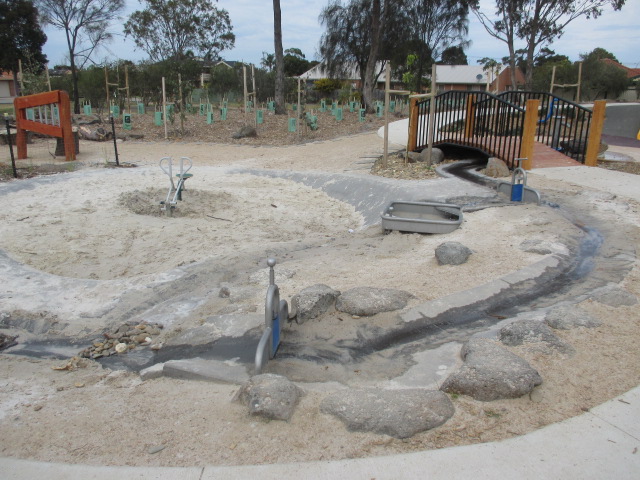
{"points": [[86, 27], [279, 60], [358, 35], [537, 23], [177, 29]]}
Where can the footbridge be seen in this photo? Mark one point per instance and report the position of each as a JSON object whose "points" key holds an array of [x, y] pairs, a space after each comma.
{"points": [[540, 127]]}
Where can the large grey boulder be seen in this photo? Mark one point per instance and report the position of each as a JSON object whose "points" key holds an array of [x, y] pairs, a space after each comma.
{"points": [[491, 372], [313, 301], [270, 396], [568, 317], [614, 297], [496, 168], [452, 253], [398, 413], [437, 156], [533, 331], [367, 301]]}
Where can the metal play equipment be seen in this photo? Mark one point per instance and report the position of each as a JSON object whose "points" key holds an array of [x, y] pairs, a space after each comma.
{"points": [[175, 191], [276, 312], [517, 190], [518, 181]]}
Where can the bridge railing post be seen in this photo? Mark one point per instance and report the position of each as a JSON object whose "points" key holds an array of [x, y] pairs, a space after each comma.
{"points": [[470, 116], [413, 125], [529, 133], [595, 133]]}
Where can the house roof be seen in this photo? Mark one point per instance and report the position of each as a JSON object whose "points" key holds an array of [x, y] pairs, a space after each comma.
{"points": [[461, 74], [6, 75], [631, 72]]}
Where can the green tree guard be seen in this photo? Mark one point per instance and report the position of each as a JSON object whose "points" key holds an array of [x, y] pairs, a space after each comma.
{"points": [[260, 116], [292, 124], [126, 121], [157, 119], [87, 109], [115, 111], [141, 109], [361, 114], [223, 113], [339, 114], [209, 118], [323, 105]]}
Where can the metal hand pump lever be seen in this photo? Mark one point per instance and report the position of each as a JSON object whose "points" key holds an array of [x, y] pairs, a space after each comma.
{"points": [[276, 312]]}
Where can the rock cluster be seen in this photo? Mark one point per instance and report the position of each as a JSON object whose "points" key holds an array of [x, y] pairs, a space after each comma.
{"points": [[124, 338], [361, 301]]}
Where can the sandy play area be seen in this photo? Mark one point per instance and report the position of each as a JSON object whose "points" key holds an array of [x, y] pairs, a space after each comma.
{"points": [[90, 249]]}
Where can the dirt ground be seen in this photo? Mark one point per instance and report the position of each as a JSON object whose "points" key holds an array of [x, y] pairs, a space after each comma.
{"points": [[96, 416]]}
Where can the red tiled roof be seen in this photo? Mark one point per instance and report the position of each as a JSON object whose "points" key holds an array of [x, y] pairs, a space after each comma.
{"points": [[6, 75], [631, 72]]}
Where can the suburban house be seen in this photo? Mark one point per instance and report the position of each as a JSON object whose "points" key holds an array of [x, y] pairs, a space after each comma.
{"points": [[7, 88], [474, 77], [319, 72], [448, 77]]}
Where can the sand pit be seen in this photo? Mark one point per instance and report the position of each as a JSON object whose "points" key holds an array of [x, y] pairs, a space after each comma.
{"points": [[91, 242]]}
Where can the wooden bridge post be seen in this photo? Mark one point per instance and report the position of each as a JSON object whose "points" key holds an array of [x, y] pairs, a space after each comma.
{"points": [[470, 116], [413, 125], [529, 133], [595, 133]]}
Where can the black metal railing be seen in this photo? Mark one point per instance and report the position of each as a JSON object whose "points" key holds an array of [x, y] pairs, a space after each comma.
{"points": [[562, 125], [476, 119]]}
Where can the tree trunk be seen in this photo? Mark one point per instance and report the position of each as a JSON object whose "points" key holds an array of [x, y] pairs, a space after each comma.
{"points": [[277, 38], [369, 80]]}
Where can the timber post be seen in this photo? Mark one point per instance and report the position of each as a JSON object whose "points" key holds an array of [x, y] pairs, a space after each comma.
{"points": [[529, 133], [595, 133], [413, 125], [470, 116]]}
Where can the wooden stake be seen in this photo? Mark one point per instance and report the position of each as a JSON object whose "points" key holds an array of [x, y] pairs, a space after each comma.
{"points": [[579, 81], [553, 79], [432, 111], [387, 87], [164, 108]]}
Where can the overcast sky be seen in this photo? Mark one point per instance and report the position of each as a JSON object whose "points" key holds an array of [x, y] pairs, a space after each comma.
{"points": [[252, 22]]}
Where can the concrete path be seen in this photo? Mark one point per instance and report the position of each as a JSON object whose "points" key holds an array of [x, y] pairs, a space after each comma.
{"points": [[600, 444]]}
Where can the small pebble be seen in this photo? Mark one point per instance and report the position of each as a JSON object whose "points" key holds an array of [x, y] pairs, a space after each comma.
{"points": [[156, 449]]}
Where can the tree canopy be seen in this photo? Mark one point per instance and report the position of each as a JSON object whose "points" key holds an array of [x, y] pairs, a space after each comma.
{"points": [[537, 23], [21, 36], [85, 24], [169, 29]]}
